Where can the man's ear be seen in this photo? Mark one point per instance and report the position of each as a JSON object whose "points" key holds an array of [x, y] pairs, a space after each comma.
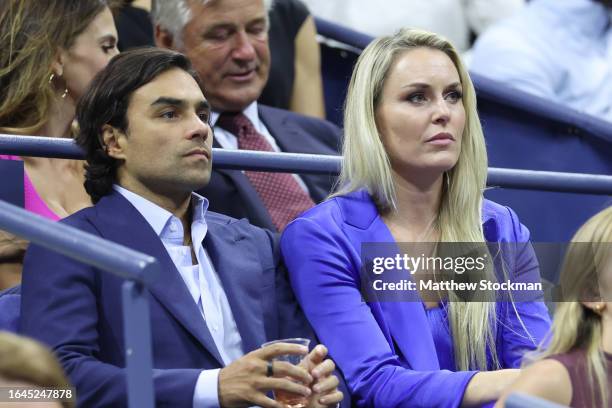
{"points": [[163, 37], [114, 141]]}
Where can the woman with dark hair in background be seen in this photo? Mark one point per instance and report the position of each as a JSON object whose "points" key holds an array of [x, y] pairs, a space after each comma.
{"points": [[50, 54]]}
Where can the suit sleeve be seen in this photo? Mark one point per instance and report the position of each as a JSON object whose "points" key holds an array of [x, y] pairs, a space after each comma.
{"points": [[291, 321], [525, 322], [324, 273], [59, 308]]}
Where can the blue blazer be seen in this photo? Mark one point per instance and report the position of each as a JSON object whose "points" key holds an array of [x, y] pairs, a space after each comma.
{"points": [[385, 350], [76, 309], [230, 192]]}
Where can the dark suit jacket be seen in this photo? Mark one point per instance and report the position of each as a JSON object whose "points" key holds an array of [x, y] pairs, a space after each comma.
{"points": [[230, 192], [76, 309]]}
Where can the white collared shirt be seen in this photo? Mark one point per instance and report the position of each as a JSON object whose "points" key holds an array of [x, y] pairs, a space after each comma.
{"points": [[228, 140], [202, 282], [557, 49]]}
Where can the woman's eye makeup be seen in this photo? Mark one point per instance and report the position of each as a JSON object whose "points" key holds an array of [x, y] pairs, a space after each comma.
{"points": [[416, 97]]}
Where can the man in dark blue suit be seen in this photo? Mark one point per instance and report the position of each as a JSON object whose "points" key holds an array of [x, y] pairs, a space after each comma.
{"points": [[227, 40], [145, 131]]}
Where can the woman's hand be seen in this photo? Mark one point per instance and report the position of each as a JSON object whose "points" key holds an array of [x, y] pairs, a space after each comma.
{"points": [[324, 387]]}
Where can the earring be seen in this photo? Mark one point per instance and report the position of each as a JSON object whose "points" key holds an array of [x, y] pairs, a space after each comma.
{"points": [[600, 307], [65, 93]]}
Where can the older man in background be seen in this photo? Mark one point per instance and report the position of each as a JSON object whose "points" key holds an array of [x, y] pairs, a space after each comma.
{"points": [[227, 40]]}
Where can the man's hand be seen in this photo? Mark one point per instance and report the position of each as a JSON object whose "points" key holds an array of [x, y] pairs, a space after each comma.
{"points": [[325, 385], [244, 382]]}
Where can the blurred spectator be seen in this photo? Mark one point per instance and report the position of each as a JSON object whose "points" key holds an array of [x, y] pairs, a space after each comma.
{"points": [[576, 367], [295, 70], [227, 41], [50, 54], [134, 26], [27, 363], [557, 49], [456, 20]]}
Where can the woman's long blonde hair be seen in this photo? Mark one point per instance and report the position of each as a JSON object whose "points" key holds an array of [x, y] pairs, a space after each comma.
{"points": [[576, 326], [31, 35], [366, 165]]}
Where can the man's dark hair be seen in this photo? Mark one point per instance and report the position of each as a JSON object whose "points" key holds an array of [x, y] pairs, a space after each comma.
{"points": [[106, 102]]}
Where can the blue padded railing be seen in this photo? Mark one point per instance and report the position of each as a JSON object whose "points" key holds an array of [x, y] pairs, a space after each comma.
{"points": [[517, 400], [138, 269], [342, 34], [576, 122], [318, 164]]}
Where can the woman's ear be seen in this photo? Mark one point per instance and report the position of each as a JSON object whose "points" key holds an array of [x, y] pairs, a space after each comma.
{"points": [[597, 307], [57, 64], [114, 141]]}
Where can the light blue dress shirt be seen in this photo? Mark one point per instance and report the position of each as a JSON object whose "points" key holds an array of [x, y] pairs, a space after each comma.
{"points": [[201, 280], [558, 49]]}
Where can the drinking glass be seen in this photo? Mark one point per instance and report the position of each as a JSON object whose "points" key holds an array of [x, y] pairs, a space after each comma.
{"points": [[289, 399]]}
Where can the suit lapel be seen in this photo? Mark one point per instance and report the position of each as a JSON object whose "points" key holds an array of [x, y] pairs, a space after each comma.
{"points": [[239, 270], [405, 320], [120, 222]]}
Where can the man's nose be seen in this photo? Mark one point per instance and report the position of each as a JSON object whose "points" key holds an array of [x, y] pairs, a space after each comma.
{"points": [[199, 128], [243, 47]]}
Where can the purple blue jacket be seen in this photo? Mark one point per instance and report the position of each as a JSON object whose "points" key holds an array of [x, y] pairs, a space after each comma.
{"points": [[386, 350]]}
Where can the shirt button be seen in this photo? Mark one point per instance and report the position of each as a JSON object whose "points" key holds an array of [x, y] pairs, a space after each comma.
{"points": [[172, 227], [216, 328]]}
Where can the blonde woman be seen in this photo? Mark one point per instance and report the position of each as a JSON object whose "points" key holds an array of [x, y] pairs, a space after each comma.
{"points": [[414, 170], [51, 52], [576, 368]]}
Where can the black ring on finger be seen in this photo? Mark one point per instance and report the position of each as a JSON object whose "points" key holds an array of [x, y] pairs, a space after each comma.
{"points": [[270, 369]]}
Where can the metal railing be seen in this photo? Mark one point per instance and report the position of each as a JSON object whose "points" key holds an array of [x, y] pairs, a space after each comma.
{"points": [[319, 164], [517, 400], [138, 269]]}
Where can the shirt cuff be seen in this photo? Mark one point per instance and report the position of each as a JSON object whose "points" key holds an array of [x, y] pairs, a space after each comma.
{"points": [[206, 394]]}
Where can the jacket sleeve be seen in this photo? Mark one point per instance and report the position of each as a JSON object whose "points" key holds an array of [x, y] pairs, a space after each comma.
{"points": [[59, 308], [525, 322], [324, 271]]}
